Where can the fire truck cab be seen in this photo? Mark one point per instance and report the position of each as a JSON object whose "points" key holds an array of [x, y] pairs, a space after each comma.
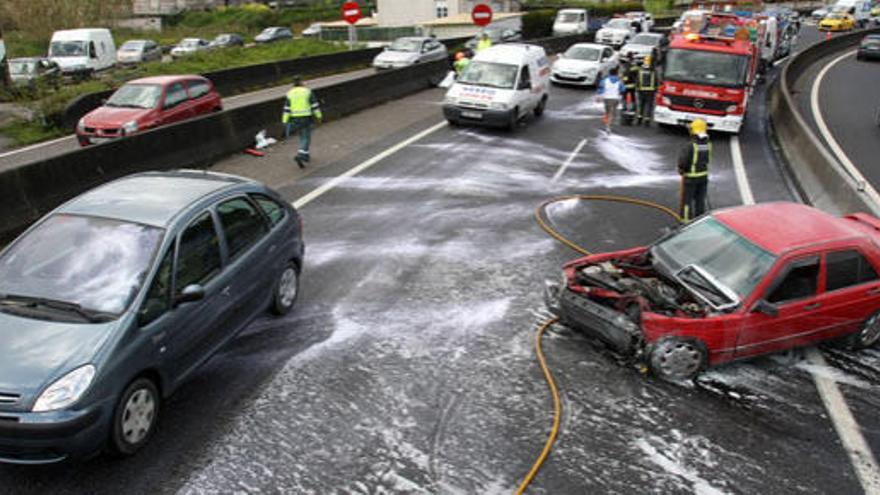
{"points": [[709, 74]]}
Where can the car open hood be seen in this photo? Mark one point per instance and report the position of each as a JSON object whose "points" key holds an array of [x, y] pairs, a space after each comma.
{"points": [[114, 117], [37, 352]]}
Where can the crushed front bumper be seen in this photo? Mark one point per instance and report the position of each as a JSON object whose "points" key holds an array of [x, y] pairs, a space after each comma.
{"points": [[608, 325]]}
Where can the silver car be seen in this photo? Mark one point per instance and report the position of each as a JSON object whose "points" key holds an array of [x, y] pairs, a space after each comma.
{"points": [[189, 46], [404, 52], [138, 51]]}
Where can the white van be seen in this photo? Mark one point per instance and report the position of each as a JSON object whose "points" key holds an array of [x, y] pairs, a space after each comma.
{"points": [[571, 21], [502, 85], [859, 9], [83, 51]]}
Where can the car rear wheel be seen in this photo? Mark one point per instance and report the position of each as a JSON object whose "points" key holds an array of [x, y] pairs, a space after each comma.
{"points": [[135, 418], [677, 359], [867, 335], [286, 290]]}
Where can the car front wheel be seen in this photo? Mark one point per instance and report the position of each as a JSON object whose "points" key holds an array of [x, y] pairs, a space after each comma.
{"points": [[286, 290], [135, 419], [677, 359]]}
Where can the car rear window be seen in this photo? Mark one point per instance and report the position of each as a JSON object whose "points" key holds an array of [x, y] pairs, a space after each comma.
{"points": [[847, 268], [274, 211], [197, 88], [241, 223]]}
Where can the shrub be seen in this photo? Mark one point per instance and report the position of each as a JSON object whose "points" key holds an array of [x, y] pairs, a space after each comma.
{"points": [[538, 23]]}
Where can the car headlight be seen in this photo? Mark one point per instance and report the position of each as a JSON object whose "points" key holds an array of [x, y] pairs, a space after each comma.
{"points": [[130, 127], [731, 108], [81, 125], [498, 106], [65, 391], [591, 72]]}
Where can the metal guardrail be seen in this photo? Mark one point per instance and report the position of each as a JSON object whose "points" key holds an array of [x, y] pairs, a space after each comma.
{"points": [[823, 179]]}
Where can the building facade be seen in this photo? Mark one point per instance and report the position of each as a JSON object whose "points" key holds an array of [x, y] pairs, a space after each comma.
{"points": [[414, 12], [171, 7]]}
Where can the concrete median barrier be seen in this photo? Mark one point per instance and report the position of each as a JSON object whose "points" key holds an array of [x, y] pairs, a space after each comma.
{"points": [[822, 178], [29, 191]]}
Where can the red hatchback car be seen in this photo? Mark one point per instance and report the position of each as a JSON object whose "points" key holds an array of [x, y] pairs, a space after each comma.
{"points": [[146, 103], [734, 284]]}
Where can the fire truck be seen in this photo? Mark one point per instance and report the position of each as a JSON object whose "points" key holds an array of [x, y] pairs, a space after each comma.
{"points": [[709, 74]]}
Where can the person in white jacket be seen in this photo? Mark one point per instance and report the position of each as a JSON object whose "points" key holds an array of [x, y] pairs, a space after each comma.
{"points": [[611, 89]]}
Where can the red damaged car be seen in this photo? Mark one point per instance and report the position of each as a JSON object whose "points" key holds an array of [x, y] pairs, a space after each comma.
{"points": [[146, 103], [734, 284]]}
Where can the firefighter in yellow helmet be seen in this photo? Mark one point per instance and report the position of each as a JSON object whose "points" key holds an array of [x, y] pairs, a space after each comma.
{"points": [[646, 90], [693, 166]]}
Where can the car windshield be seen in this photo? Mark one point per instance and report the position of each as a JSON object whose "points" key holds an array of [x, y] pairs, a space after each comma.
{"points": [[406, 45], [189, 43], [588, 53], [619, 24], [709, 68], [268, 32], [222, 38], [22, 67], [136, 96], [711, 246], [490, 74], [97, 263], [646, 39], [836, 16], [568, 17], [133, 46], [68, 49]]}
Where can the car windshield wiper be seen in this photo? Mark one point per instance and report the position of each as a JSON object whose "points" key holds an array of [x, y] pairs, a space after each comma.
{"points": [[90, 315], [696, 278]]}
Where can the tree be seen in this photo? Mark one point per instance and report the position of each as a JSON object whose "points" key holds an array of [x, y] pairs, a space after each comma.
{"points": [[39, 18]]}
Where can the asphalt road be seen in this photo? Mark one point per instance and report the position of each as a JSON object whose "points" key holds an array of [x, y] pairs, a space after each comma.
{"points": [[55, 147], [408, 365]]}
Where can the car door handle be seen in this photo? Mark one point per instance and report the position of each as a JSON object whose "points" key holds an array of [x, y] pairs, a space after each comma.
{"points": [[874, 291], [810, 307]]}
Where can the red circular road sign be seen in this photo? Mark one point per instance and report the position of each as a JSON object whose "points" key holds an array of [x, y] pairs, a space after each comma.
{"points": [[482, 14], [351, 12]]}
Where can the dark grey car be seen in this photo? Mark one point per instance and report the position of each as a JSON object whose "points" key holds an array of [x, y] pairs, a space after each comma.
{"points": [[108, 303]]}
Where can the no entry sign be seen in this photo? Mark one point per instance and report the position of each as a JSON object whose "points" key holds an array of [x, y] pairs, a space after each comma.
{"points": [[482, 14], [351, 12]]}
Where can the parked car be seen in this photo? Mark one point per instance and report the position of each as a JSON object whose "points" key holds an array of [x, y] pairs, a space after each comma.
{"points": [[497, 35], [734, 284], [869, 48], [111, 301], [189, 46], [643, 44], [820, 13], [147, 103], [837, 21], [273, 34], [226, 40], [584, 64], [615, 32], [33, 72], [313, 31], [410, 50], [644, 20], [82, 52], [138, 51]]}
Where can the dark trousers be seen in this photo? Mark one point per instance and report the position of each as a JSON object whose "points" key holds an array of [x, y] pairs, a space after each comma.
{"points": [[302, 125], [646, 105], [693, 197]]}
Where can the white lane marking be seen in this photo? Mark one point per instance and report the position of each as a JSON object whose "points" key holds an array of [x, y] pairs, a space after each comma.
{"points": [[739, 169], [570, 159], [844, 423], [847, 429], [829, 138], [781, 60], [332, 183], [36, 146]]}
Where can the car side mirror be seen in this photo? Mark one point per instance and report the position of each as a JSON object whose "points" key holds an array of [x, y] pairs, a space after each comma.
{"points": [[190, 293], [767, 308]]}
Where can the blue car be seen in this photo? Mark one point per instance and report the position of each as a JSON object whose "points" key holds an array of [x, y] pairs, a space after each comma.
{"points": [[110, 302]]}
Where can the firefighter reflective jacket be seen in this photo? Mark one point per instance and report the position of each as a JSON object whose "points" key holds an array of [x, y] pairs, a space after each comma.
{"points": [[483, 44], [693, 163], [301, 102], [647, 79], [631, 76], [461, 65]]}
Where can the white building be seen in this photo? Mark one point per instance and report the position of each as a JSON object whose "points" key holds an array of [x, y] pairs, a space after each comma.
{"points": [[170, 7], [417, 12]]}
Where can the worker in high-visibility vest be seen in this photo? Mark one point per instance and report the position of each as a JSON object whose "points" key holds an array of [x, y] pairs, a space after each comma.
{"points": [[646, 90], [461, 63], [485, 42], [301, 111], [693, 166]]}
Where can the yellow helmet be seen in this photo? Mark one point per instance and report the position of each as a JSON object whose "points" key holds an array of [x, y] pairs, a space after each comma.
{"points": [[647, 60], [699, 126]]}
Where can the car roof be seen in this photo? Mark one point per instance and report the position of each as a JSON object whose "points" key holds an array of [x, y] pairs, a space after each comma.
{"points": [[151, 198], [780, 226], [504, 53], [164, 79]]}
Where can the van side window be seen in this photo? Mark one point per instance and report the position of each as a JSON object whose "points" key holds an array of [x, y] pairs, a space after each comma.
{"points": [[93, 53], [525, 79]]}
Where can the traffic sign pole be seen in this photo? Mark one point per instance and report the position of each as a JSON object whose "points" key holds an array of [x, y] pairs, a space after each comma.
{"points": [[351, 13]]}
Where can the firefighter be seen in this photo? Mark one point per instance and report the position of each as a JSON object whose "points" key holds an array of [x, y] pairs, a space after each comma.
{"points": [[630, 80], [461, 63], [646, 87], [485, 42], [301, 112], [693, 166]]}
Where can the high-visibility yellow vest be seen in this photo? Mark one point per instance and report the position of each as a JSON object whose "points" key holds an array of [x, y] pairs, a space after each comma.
{"points": [[461, 65], [701, 156], [299, 104], [647, 80], [483, 44]]}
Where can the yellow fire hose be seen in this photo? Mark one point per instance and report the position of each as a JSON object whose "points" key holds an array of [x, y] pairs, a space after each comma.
{"points": [[548, 375]]}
